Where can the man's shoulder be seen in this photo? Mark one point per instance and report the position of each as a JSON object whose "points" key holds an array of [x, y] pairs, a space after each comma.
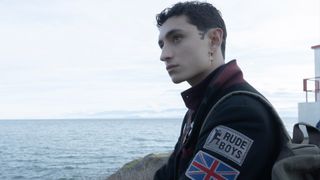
{"points": [[244, 107], [240, 95], [241, 100]]}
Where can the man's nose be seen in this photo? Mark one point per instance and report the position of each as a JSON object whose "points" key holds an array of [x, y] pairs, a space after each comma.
{"points": [[166, 54]]}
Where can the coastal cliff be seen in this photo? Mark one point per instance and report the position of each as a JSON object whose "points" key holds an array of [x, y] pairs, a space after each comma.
{"points": [[141, 169]]}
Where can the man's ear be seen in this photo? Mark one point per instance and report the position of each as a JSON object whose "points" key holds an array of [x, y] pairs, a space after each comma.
{"points": [[215, 37]]}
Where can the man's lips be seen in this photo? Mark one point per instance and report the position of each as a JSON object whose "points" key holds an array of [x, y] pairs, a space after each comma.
{"points": [[171, 66]]}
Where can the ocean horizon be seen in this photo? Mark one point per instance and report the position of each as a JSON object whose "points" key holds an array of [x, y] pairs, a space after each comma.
{"points": [[71, 149]]}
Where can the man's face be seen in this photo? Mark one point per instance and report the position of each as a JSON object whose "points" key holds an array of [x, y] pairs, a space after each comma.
{"points": [[185, 50]]}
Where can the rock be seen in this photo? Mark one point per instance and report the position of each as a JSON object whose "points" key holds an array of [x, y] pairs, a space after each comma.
{"points": [[141, 169]]}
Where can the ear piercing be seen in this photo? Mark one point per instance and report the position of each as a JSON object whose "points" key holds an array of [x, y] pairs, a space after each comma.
{"points": [[211, 57]]}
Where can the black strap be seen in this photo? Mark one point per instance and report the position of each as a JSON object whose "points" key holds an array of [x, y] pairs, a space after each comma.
{"points": [[285, 136], [313, 134]]}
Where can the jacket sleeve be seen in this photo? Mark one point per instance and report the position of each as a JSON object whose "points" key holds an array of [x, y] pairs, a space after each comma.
{"points": [[237, 142], [165, 172]]}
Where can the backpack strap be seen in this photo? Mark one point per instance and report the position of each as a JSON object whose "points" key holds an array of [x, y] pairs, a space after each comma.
{"points": [[313, 134], [283, 132]]}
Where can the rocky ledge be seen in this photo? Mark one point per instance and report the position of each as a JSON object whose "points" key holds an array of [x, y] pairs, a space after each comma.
{"points": [[140, 169]]}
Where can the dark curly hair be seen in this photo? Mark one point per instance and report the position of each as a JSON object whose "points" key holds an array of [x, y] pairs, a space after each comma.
{"points": [[201, 14]]}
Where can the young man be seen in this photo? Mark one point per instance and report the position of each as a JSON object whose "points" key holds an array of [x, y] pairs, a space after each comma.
{"points": [[240, 138]]}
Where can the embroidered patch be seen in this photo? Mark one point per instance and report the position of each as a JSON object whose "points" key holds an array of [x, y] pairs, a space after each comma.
{"points": [[229, 143], [205, 167]]}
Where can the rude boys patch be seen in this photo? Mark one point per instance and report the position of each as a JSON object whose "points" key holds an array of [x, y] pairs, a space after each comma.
{"points": [[229, 143]]}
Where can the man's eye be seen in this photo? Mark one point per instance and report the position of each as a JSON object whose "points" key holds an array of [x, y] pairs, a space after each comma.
{"points": [[160, 45], [177, 38]]}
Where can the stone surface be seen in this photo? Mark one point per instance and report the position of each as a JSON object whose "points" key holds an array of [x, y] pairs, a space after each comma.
{"points": [[140, 169]]}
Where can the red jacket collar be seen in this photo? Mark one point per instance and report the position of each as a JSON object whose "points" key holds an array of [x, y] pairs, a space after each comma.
{"points": [[230, 75], [221, 78]]}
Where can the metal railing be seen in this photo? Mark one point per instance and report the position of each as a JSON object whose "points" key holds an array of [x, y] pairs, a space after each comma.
{"points": [[315, 88]]}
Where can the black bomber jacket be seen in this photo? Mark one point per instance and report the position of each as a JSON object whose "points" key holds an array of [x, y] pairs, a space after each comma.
{"points": [[239, 140]]}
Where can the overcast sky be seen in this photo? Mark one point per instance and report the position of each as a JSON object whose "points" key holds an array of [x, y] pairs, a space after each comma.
{"points": [[77, 58]]}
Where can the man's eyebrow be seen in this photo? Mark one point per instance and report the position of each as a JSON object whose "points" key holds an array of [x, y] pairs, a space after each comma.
{"points": [[170, 33], [173, 31]]}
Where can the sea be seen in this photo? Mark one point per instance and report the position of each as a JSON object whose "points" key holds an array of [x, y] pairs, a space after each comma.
{"points": [[72, 149]]}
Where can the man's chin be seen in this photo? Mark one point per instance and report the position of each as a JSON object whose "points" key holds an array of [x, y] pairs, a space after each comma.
{"points": [[177, 81]]}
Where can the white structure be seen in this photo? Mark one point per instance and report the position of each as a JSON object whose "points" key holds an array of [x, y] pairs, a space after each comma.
{"points": [[309, 112]]}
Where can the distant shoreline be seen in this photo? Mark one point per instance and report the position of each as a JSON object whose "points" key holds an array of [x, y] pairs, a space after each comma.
{"points": [[110, 118], [124, 118]]}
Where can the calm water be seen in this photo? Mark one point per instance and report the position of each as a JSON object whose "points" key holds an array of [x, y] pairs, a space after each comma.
{"points": [[81, 149]]}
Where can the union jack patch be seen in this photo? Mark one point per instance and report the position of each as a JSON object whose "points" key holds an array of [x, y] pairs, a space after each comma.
{"points": [[206, 167]]}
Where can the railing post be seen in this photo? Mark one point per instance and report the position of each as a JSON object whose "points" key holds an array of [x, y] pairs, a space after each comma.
{"points": [[316, 89]]}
